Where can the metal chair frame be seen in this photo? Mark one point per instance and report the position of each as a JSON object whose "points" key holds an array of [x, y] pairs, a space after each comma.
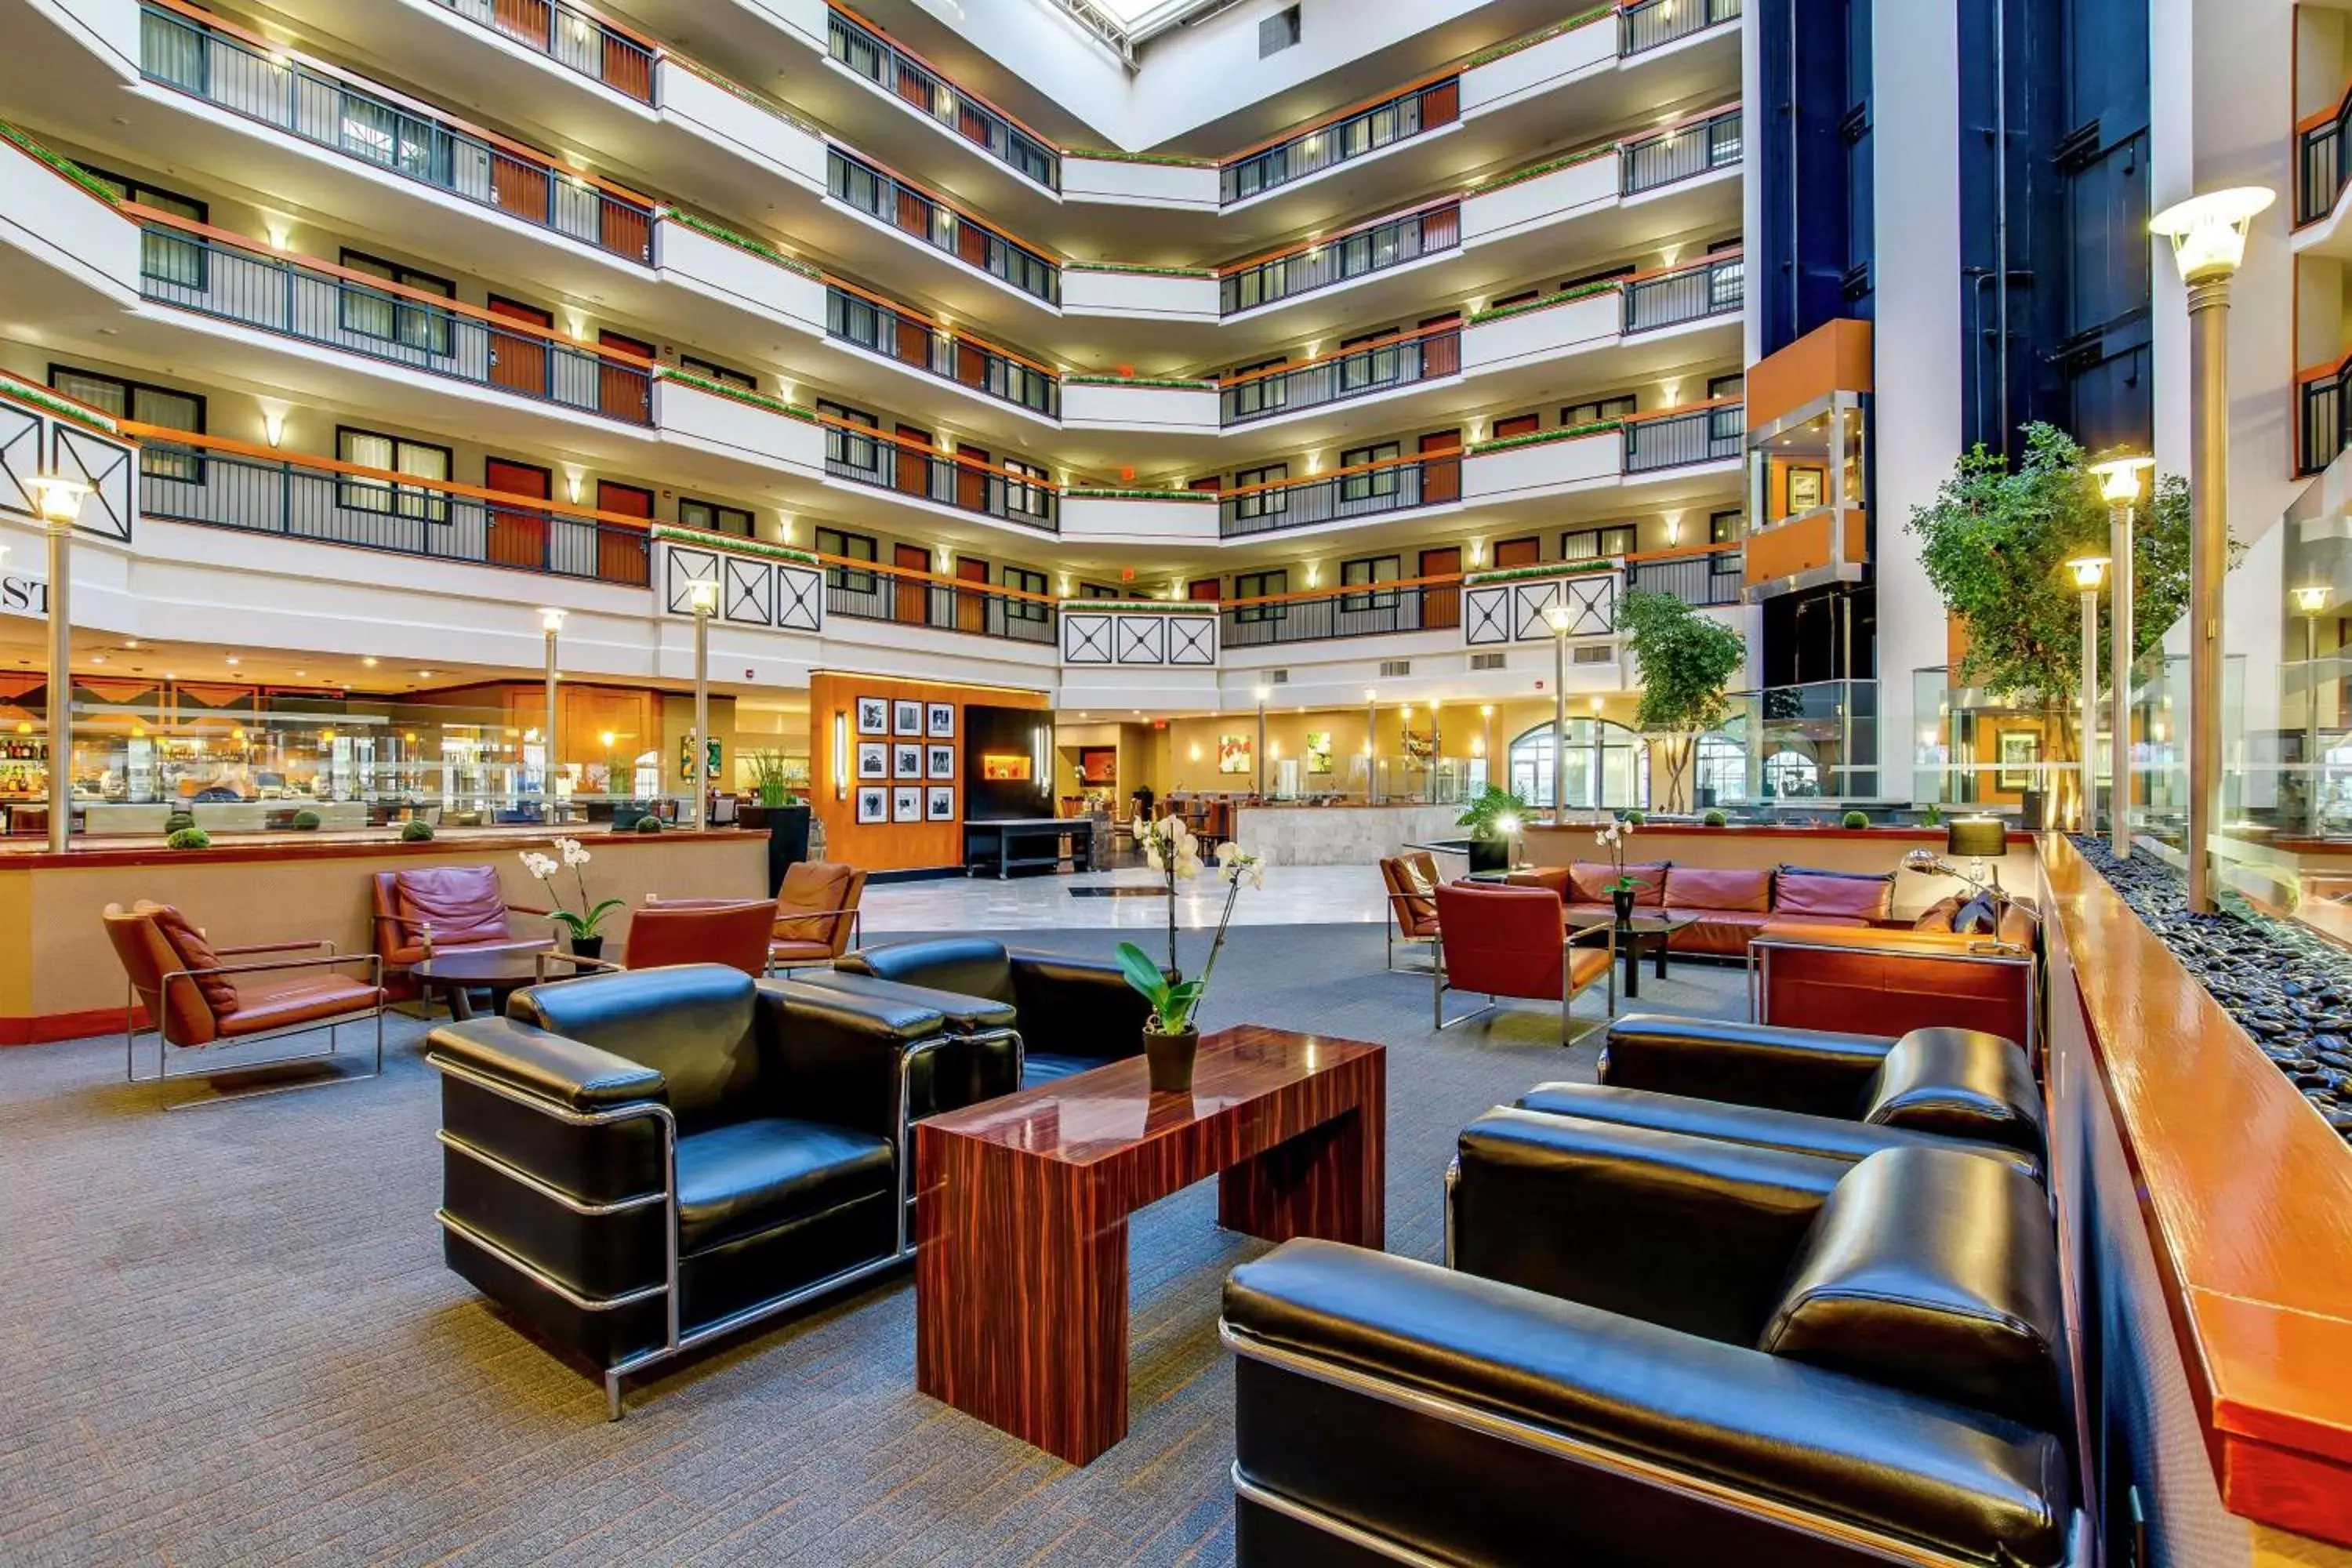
{"points": [[1569, 990], [165, 1044], [1396, 902]]}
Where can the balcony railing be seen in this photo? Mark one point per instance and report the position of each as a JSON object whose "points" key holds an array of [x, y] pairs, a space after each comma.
{"points": [[1420, 605], [1717, 287], [1372, 248], [910, 468], [921, 216], [869, 591], [1428, 354], [878, 58], [918, 342], [2325, 424], [224, 68], [1681, 152], [571, 39], [1648, 24], [2320, 165], [1319, 146], [1710, 576], [222, 484], [1369, 489], [1709, 433], [328, 305]]}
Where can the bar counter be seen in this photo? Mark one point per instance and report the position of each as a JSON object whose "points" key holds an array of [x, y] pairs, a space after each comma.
{"points": [[60, 978]]}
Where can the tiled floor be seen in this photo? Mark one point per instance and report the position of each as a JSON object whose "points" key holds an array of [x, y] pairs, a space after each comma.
{"points": [[1293, 895]]}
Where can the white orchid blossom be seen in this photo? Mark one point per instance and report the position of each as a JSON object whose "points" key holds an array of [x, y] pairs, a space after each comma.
{"points": [[538, 865]]}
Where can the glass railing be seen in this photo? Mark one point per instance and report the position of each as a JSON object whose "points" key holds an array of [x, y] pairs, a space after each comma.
{"points": [[1701, 580], [291, 499], [1319, 147], [1681, 152], [881, 61], [571, 38], [911, 341], [1429, 355], [375, 129], [1372, 248], [921, 217], [2320, 165], [1425, 607], [1719, 288], [918, 599], [1369, 491], [1648, 24], [2322, 425], [1707, 435], [1817, 740], [922, 474], [318, 305]]}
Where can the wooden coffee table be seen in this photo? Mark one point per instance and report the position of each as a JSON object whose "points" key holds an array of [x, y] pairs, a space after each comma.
{"points": [[1654, 930], [501, 971], [1022, 1207]]}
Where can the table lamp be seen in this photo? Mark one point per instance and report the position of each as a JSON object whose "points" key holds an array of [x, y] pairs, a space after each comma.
{"points": [[1975, 839]]}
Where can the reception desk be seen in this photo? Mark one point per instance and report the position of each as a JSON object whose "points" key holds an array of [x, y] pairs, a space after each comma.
{"points": [[1337, 834]]}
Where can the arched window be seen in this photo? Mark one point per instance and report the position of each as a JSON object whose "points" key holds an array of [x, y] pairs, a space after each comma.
{"points": [[1788, 774], [1720, 773], [1607, 767]]}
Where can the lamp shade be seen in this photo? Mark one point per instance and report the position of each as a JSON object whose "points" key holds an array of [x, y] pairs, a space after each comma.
{"points": [[1976, 838]]}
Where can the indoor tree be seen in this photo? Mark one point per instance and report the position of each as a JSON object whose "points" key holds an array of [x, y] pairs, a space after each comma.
{"points": [[1687, 661], [1995, 543]]}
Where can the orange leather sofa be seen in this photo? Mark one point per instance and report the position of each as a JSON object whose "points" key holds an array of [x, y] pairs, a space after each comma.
{"points": [[1890, 982], [1733, 904]]}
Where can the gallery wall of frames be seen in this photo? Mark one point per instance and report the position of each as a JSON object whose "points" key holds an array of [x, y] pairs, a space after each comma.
{"points": [[887, 758]]}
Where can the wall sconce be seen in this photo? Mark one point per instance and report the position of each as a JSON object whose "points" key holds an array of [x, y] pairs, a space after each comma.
{"points": [[1314, 573], [273, 426], [572, 478], [1192, 752], [840, 753], [1674, 528], [784, 526], [1477, 552]]}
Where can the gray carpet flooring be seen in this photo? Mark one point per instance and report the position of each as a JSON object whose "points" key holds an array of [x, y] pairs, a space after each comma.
{"points": [[228, 1337]]}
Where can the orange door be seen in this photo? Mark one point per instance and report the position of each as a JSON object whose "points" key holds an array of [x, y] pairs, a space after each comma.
{"points": [[1204, 590], [620, 549], [1441, 606], [972, 242], [519, 360], [913, 215], [1519, 553], [913, 607], [517, 536], [1441, 104], [1441, 350], [518, 188], [914, 339], [972, 483], [1519, 425], [524, 20], [915, 462], [1441, 474], [623, 390], [970, 364], [972, 609]]}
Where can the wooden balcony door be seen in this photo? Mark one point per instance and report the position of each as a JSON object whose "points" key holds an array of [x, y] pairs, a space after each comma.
{"points": [[1519, 553], [1441, 475], [517, 537], [971, 483], [914, 595], [519, 360], [914, 462], [1441, 607], [972, 609], [623, 390], [621, 552]]}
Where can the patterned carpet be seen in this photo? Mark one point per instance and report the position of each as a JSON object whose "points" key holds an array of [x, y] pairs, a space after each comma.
{"points": [[227, 1336]]}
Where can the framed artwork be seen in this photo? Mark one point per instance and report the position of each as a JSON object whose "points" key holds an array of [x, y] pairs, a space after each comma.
{"points": [[873, 804], [906, 718], [942, 726], [938, 762], [1318, 751], [873, 716], [2020, 752], [907, 803], [940, 804], [1235, 754], [1805, 487], [873, 759], [905, 760]]}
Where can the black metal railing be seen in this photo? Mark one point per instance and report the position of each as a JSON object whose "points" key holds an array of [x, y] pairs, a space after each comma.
{"points": [[2326, 425], [929, 222], [925, 475], [1717, 288], [1371, 249], [1684, 152], [912, 342], [1368, 492], [571, 38], [299, 301], [928, 93], [1383, 124], [1703, 581], [1377, 367], [2320, 165], [374, 130], [1366, 612], [1700, 436], [1648, 24], [881, 596], [292, 499]]}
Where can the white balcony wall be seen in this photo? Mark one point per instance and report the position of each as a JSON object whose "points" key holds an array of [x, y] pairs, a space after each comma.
{"points": [[56, 222], [693, 260], [1139, 522], [1544, 199], [1533, 334], [923, 653], [1547, 465], [1178, 186], [736, 428], [806, 17], [109, 26], [1540, 68], [1154, 294], [740, 126], [1187, 409]]}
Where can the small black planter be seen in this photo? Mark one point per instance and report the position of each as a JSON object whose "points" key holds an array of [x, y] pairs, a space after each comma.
{"points": [[1621, 899], [1490, 854], [587, 947], [788, 837], [1169, 1058]]}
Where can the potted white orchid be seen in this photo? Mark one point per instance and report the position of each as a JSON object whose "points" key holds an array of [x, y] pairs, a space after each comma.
{"points": [[1615, 838], [587, 939], [1171, 1039]]}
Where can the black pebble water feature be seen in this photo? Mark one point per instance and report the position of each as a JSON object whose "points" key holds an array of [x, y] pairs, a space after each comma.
{"points": [[2289, 989]]}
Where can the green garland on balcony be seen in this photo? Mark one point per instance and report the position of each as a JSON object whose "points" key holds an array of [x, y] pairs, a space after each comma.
{"points": [[756, 399], [60, 163], [678, 534], [1153, 607], [1173, 380], [1173, 160], [726, 236], [1139, 267], [1537, 171], [18, 391], [1556, 569], [1543, 34], [1137, 494], [1538, 438], [1504, 312]]}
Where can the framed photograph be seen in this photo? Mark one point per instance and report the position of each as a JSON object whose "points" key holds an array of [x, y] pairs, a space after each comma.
{"points": [[907, 803], [873, 716], [905, 761], [1318, 751], [938, 762], [873, 804], [940, 803], [906, 718], [941, 726], [873, 759], [1235, 754], [2021, 752], [1805, 487]]}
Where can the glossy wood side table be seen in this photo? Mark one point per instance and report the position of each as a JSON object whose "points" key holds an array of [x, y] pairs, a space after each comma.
{"points": [[1022, 1207]]}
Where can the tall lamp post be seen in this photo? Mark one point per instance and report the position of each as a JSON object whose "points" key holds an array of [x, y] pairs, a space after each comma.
{"points": [[2208, 243], [2119, 482], [704, 597], [1262, 693], [551, 623], [1560, 618], [59, 498], [2311, 603], [2089, 571]]}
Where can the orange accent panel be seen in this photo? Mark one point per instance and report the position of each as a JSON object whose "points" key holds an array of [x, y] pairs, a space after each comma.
{"points": [[1834, 357], [1789, 549]]}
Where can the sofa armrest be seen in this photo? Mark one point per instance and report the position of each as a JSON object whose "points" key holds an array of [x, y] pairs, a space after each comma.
{"points": [[1692, 1233], [845, 1058], [1813, 1071], [1430, 1407], [1077, 1006], [569, 1075]]}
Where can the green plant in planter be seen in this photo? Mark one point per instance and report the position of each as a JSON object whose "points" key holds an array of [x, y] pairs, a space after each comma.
{"points": [[188, 838], [179, 821], [1931, 816], [416, 830], [308, 821], [1716, 820], [1855, 819], [1493, 815], [649, 823], [771, 777], [1637, 818]]}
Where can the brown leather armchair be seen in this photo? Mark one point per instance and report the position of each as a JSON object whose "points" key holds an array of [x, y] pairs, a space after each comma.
{"points": [[1883, 981], [441, 908], [817, 913], [1412, 882]]}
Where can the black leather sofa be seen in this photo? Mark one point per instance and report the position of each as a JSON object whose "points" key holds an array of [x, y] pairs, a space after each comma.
{"points": [[1071, 1014], [634, 1164], [1668, 1351]]}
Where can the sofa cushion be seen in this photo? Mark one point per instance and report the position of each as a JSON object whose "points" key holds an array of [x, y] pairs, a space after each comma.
{"points": [[1712, 888], [1798, 892], [460, 903], [749, 1176], [1962, 1083], [1718, 933], [692, 1023], [1553, 880], [1978, 917], [2019, 926], [1937, 916], [1935, 1271], [279, 1001], [195, 952], [1588, 880]]}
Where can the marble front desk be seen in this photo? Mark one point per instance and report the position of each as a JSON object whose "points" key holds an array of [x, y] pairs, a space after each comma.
{"points": [[1338, 834]]}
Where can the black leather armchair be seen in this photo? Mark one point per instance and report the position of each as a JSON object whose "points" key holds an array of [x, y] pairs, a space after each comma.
{"points": [[636, 1163], [1955, 1083], [1666, 1350], [1072, 1013]]}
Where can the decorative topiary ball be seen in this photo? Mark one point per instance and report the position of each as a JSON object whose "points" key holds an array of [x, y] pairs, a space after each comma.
{"points": [[1638, 819], [1856, 819], [1716, 820], [306, 820], [416, 830], [189, 838], [179, 820], [649, 823]]}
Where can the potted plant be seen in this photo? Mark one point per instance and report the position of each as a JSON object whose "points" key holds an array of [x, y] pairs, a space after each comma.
{"points": [[587, 939], [784, 811], [1493, 816], [1614, 838], [1171, 1039]]}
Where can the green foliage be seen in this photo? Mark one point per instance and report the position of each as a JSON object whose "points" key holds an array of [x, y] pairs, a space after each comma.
{"points": [[1714, 819], [1483, 811], [771, 777], [189, 838], [308, 821], [1854, 819], [416, 830], [178, 821], [584, 927], [649, 823], [1171, 1002], [1636, 818], [1687, 661], [1931, 816]]}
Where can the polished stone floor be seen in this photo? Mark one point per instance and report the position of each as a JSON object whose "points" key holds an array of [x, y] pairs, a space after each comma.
{"points": [[1126, 898]]}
